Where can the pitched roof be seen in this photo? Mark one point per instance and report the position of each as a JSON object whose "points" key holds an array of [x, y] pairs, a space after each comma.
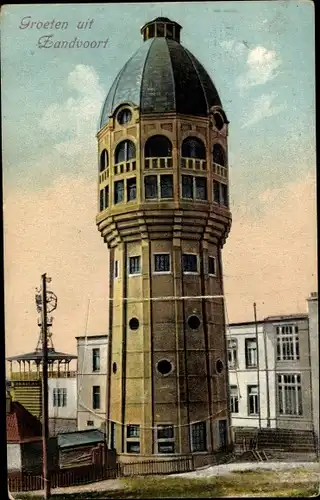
{"points": [[22, 425]]}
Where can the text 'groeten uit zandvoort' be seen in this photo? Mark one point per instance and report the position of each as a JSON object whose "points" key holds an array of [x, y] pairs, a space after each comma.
{"points": [[49, 41]]}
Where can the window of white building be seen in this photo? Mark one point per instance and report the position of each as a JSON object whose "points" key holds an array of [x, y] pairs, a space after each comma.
{"points": [[232, 353], [59, 397], [253, 400], [234, 399], [287, 343], [289, 394], [251, 353], [96, 359]]}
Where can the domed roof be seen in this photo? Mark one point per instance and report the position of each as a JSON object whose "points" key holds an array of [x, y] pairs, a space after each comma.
{"points": [[162, 76]]}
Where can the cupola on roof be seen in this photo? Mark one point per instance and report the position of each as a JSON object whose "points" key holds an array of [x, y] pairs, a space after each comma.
{"points": [[162, 76]]}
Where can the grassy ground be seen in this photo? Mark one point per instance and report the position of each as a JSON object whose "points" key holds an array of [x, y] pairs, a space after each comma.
{"points": [[249, 483]]}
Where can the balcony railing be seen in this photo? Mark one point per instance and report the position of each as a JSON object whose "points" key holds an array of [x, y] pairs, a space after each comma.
{"points": [[125, 166], [104, 175], [29, 375], [220, 170], [193, 163], [165, 162]]}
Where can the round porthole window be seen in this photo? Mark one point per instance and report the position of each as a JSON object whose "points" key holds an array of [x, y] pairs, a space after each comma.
{"points": [[114, 367], [134, 324], [218, 120], [164, 367], [219, 366], [194, 322], [124, 116]]}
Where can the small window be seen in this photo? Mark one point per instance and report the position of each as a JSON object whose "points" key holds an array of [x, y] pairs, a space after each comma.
{"points": [[187, 186], [131, 189], [125, 151], [216, 192], [150, 187], [124, 116], [133, 431], [198, 437], [251, 353], [162, 263], [224, 195], [164, 367], [133, 446], [218, 155], [201, 188], [96, 397], [59, 397], [219, 366], [158, 146], [104, 160], [135, 265], [192, 147], [90, 423], [189, 263], [165, 431], [116, 269], [101, 200], [114, 367], [134, 324], [232, 353], [118, 192], [253, 400], [96, 359], [165, 447], [218, 121], [194, 322], [106, 196], [234, 399], [166, 186], [212, 266]]}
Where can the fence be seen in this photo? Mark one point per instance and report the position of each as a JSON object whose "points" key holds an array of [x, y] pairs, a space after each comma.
{"points": [[19, 481], [144, 468]]}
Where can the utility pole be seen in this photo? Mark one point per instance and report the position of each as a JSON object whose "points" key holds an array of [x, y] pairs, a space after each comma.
{"points": [[46, 301], [45, 413], [258, 363]]}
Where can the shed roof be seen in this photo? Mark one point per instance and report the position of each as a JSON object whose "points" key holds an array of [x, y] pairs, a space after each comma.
{"points": [[22, 426], [79, 438]]}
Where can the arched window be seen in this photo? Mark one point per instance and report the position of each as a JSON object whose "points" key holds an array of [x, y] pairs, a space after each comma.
{"points": [[158, 146], [192, 147], [104, 160], [125, 151], [218, 155]]}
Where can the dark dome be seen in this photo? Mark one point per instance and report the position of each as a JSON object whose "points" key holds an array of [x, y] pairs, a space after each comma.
{"points": [[162, 76]]}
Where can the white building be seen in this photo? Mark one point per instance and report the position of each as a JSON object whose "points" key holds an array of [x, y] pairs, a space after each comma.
{"points": [[273, 377], [92, 381], [62, 402]]}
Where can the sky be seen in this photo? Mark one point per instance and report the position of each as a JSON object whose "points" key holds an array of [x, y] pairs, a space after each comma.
{"points": [[261, 58]]}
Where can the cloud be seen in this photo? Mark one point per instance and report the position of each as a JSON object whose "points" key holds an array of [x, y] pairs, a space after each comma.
{"points": [[75, 116], [262, 65], [263, 107]]}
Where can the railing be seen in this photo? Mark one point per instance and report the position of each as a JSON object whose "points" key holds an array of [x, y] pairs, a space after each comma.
{"points": [[164, 162], [220, 170], [145, 468], [193, 163], [26, 376], [104, 175], [126, 166]]}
